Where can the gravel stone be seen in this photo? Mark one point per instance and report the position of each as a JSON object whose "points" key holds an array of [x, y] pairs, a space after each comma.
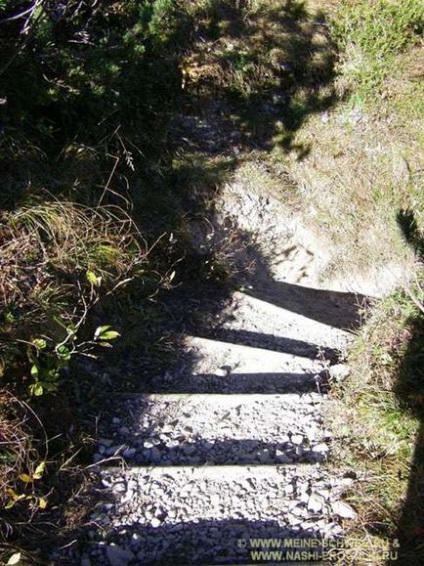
{"points": [[316, 503], [155, 455], [129, 452], [155, 522]]}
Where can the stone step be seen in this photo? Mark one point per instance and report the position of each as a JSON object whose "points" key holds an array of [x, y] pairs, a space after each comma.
{"points": [[182, 429], [212, 366], [218, 515], [336, 309], [272, 324]]}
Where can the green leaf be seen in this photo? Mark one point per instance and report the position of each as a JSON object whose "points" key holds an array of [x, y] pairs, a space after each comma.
{"points": [[105, 333], [12, 494], [50, 385], [93, 279], [64, 352], [42, 503], [36, 389], [14, 559], [101, 329], [25, 478], [35, 371], [39, 470], [15, 497], [10, 318], [109, 335], [40, 343]]}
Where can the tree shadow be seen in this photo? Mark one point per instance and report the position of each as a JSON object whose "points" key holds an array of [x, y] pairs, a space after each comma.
{"points": [[409, 389], [252, 78]]}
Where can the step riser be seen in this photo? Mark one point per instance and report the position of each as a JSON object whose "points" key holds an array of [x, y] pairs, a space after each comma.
{"points": [[273, 343], [218, 453], [269, 383]]}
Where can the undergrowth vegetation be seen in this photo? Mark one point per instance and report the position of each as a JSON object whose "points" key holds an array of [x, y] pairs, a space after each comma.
{"points": [[85, 88], [108, 156], [380, 426]]}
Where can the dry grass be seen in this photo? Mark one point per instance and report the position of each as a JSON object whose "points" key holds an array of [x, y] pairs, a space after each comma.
{"points": [[352, 165], [361, 164], [47, 249], [24, 447], [353, 181]]}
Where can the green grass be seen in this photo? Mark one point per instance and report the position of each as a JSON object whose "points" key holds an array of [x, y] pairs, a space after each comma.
{"points": [[382, 405], [371, 34]]}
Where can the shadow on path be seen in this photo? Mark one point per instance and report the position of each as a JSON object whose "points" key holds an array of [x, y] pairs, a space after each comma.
{"points": [[274, 343], [334, 308], [254, 107]]}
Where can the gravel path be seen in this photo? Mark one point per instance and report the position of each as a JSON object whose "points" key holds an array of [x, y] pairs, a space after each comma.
{"points": [[227, 455]]}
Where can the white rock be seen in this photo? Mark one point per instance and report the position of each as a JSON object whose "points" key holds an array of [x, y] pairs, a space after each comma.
{"points": [[155, 522], [304, 498], [321, 448], [315, 503], [119, 487], [282, 457], [343, 510], [339, 372], [298, 511]]}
